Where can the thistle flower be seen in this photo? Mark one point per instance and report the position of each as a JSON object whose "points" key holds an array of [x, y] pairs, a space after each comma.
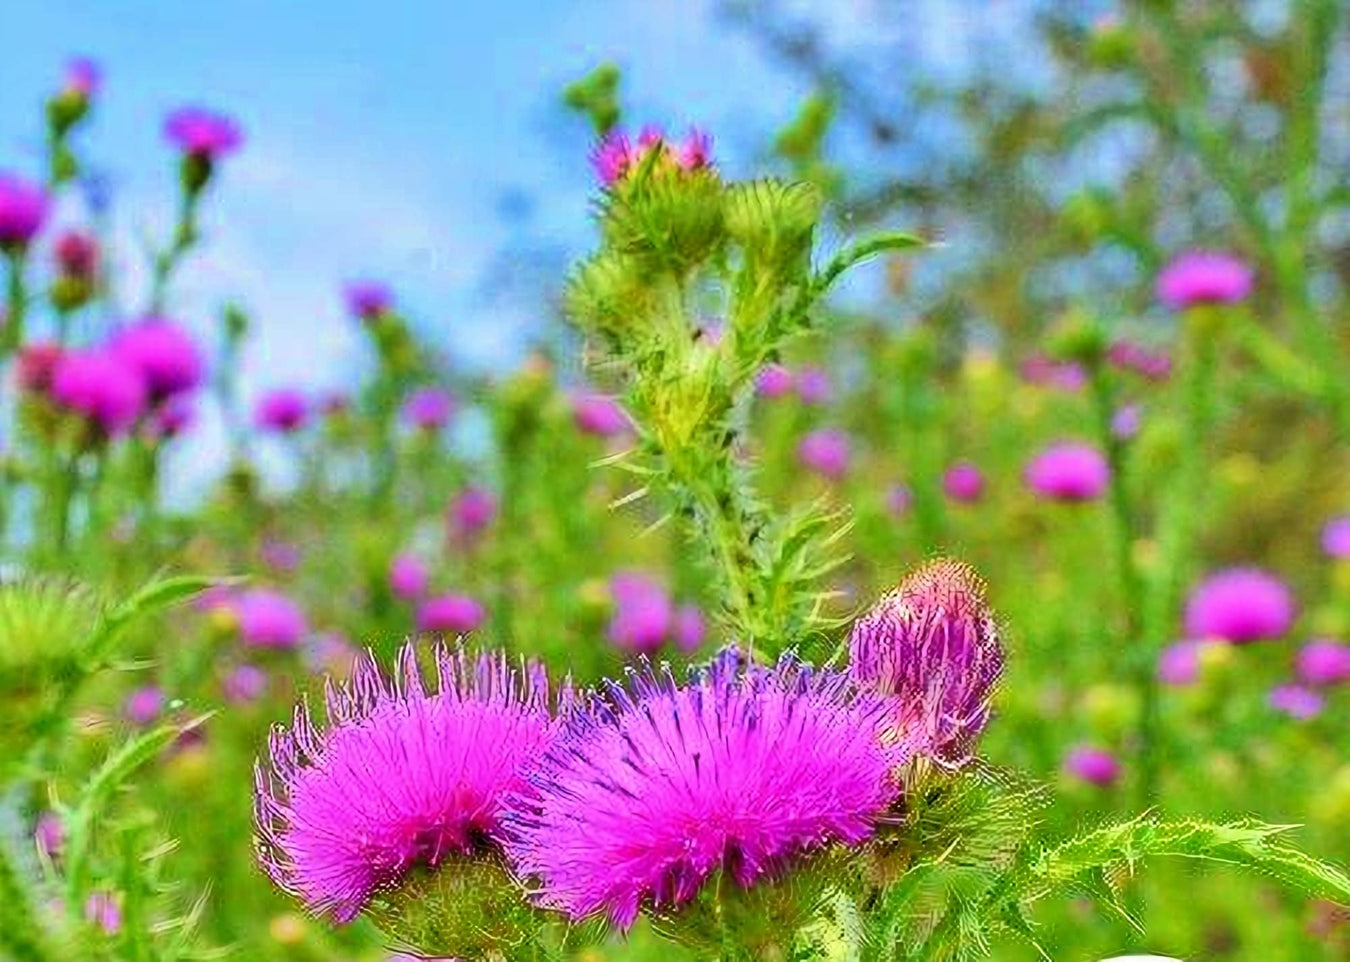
{"points": [[269, 619], [616, 154], [404, 777], [656, 786], [1296, 701], [1125, 421], [144, 705], [689, 628], [934, 645], [1336, 538], [696, 151], [284, 411], [472, 511], [1069, 471], [367, 300], [23, 209], [825, 452], [813, 386], [100, 386], [452, 614], [642, 612], [282, 557], [1323, 662], [1149, 364], [203, 133], [76, 255], [1045, 371], [35, 367], [963, 482], [1240, 605], [164, 355], [773, 381], [244, 684], [104, 910], [408, 577], [84, 77], [598, 415], [1204, 277], [1096, 766], [49, 833], [899, 499], [1179, 664], [428, 409]]}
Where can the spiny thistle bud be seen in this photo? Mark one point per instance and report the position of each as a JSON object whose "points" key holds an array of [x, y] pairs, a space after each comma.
{"points": [[773, 222], [934, 644]]}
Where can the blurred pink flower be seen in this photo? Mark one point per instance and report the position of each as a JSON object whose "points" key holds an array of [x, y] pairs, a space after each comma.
{"points": [[202, 132], [23, 209], [1323, 662], [1096, 766], [84, 77], [1240, 605], [453, 614], [368, 299], [825, 452], [773, 381], [428, 409], [1336, 537], [283, 410], [76, 254], [599, 415], [144, 705], [164, 355], [1296, 701], [963, 482], [105, 911], [244, 685], [408, 576], [1204, 277], [100, 386], [269, 619], [642, 612], [472, 511], [1069, 471], [813, 386], [690, 628]]}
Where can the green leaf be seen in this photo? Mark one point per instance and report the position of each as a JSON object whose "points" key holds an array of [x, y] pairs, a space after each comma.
{"points": [[860, 251]]}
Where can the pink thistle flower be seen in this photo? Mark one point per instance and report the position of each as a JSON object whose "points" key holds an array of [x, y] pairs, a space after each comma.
{"points": [[933, 644], [84, 77], [598, 415], [451, 614], [774, 381], [104, 910], [1336, 538], [283, 410], [1042, 370], [405, 776], [408, 577], [655, 786], [472, 511], [1296, 701], [1240, 605], [642, 612], [35, 367], [612, 158], [244, 685], [100, 386], [166, 357], [428, 409], [144, 705], [282, 557], [76, 255], [269, 619], [1069, 471], [203, 133], [813, 386], [1179, 664], [23, 209], [1129, 356], [367, 300], [690, 628], [696, 151], [1125, 421], [963, 482], [1323, 662], [1096, 766], [172, 418], [825, 452], [1204, 277], [50, 834]]}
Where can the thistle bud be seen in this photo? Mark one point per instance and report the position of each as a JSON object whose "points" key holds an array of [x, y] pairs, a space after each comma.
{"points": [[933, 644]]}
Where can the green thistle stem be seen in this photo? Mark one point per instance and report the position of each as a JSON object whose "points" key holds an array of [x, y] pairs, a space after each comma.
{"points": [[11, 333]]}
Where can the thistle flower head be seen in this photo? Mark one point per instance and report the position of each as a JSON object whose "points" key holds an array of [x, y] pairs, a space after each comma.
{"points": [[1069, 471], [165, 356], [642, 612], [617, 154], [368, 299], [84, 77], [1204, 277], [204, 133], [283, 410], [1297, 701], [934, 645], [774, 380], [76, 255], [269, 619], [963, 482], [453, 614], [244, 684], [1240, 605], [654, 786], [23, 208], [428, 409], [598, 415], [1096, 766], [813, 386], [405, 776], [826, 452], [1323, 662], [472, 510], [1336, 537], [102, 387], [408, 576]]}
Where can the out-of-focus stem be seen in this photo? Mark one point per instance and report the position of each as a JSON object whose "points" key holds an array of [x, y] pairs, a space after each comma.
{"points": [[11, 333]]}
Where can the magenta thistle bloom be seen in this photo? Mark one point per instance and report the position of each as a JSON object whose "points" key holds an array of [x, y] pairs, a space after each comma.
{"points": [[404, 776], [1336, 537], [1149, 364], [408, 577], [367, 300], [284, 410], [84, 77], [642, 612], [173, 417], [1240, 605], [963, 482], [472, 511], [451, 614], [76, 255], [1323, 662], [1069, 471], [244, 685], [1204, 277], [105, 911], [50, 834], [689, 628], [203, 133], [23, 208], [612, 157], [656, 786], [696, 151], [1296, 701], [283, 557], [165, 356], [825, 452], [144, 705], [774, 380], [428, 409], [934, 645], [813, 386], [599, 415], [1179, 664], [1096, 766], [269, 619], [102, 387]]}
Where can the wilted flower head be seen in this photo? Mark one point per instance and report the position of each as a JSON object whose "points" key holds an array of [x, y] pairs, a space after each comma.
{"points": [[428, 409], [825, 452], [1069, 471], [408, 576], [164, 355], [23, 208], [76, 254], [1204, 277], [1095, 766], [244, 684], [1323, 662], [283, 410], [367, 300], [453, 614], [204, 133], [963, 482], [1336, 537], [472, 511], [269, 619], [1240, 605], [144, 705], [934, 645], [774, 380], [101, 386], [599, 415], [642, 612], [813, 385], [1296, 701], [405, 776], [656, 786]]}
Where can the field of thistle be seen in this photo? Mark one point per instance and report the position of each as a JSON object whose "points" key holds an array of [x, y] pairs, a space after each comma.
{"points": [[1007, 616]]}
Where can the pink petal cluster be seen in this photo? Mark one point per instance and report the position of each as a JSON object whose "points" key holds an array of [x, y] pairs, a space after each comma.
{"points": [[406, 775], [826, 452], [408, 576], [963, 482], [23, 209], [454, 614], [655, 786], [1069, 471], [1336, 538], [1152, 365], [1323, 662], [204, 133], [283, 410], [76, 254], [774, 380], [1096, 766], [428, 409], [472, 510], [101, 386], [617, 155], [598, 415], [1045, 371], [1204, 277], [1240, 605], [367, 299], [1296, 701], [163, 354], [84, 77], [269, 619]]}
